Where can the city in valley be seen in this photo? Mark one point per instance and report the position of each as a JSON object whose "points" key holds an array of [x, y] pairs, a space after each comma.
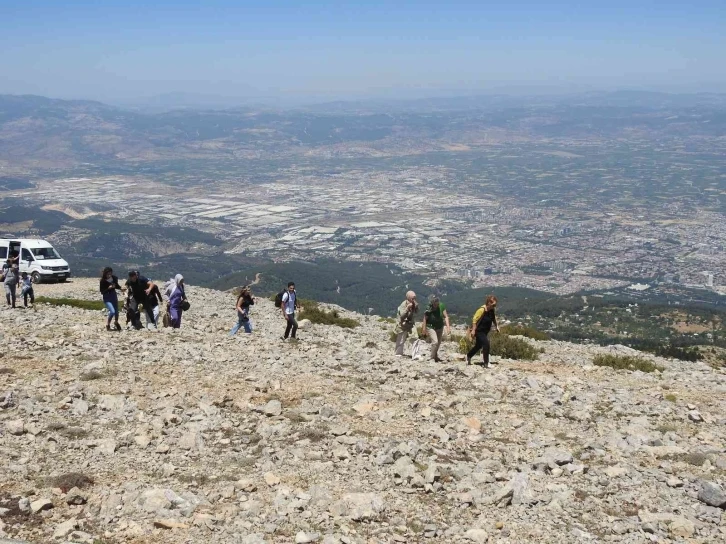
{"points": [[419, 220], [560, 198]]}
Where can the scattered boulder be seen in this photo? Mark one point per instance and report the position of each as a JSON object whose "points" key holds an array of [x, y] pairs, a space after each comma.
{"points": [[15, 427], [273, 408], [712, 494], [40, 505]]}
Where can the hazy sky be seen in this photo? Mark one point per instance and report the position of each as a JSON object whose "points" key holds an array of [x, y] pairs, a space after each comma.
{"points": [[121, 50]]}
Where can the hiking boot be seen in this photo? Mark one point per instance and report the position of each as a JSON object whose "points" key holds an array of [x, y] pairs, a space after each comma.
{"points": [[108, 327], [118, 326], [468, 361], [438, 360]]}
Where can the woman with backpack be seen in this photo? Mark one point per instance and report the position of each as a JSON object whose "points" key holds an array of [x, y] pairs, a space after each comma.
{"points": [[244, 301], [108, 287], [177, 301], [482, 323], [406, 321]]}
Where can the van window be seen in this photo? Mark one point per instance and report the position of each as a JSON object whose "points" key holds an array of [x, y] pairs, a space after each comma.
{"points": [[25, 255], [3, 252], [42, 253]]}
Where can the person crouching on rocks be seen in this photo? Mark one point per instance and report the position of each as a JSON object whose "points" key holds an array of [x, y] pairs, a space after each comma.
{"points": [[133, 315], [177, 301], [244, 301], [108, 287], [482, 323], [27, 289], [406, 321]]}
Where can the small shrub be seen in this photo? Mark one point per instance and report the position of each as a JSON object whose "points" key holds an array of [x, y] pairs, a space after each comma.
{"points": [[465, 343], [314, 434], [522, 330], [670, 397], [504, 346], [68, 481], [512, 348], [324, 317], [370, 344], [56, 426], [90, 375], [666, 428], [73, 302], [625, 362], [674, 352], [695, 459], [74, 432]]}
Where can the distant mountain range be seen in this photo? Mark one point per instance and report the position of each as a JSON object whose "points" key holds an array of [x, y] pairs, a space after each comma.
{"points": [[38, 133]]}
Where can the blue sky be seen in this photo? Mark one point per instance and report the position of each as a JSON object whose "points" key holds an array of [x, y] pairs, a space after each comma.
{"points": [[319, 50]]}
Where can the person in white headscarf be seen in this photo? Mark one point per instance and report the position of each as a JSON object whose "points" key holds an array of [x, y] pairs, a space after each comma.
{"points": [[177, 300], [406, 321]]}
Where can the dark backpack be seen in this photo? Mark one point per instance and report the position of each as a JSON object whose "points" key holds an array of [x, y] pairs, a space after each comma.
{"points": [[278, 298]]}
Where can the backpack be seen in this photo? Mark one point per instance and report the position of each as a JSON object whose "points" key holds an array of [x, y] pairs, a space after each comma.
{"points": [[278, 298]]}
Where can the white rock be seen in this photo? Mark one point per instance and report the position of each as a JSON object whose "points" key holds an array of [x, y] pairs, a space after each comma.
{"points": [[40, 505], [273, 408], [64, 529], [15, 427], [480, 536], [305, 538], [271, 479]]}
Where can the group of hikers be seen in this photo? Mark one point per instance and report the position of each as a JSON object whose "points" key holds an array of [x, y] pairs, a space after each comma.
{"points": [[436, 322], [11, 278], [145, 294], [142, 293]]}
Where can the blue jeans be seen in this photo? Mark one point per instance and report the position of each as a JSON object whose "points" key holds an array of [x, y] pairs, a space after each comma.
{"points": [[112, 310], [241, 322]]}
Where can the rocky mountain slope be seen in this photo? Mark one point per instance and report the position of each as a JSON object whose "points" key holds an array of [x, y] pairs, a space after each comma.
{"points": [[190, 436]]}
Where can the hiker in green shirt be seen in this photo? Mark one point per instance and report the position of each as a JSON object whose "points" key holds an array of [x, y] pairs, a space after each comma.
{"points": [[433, 325]]}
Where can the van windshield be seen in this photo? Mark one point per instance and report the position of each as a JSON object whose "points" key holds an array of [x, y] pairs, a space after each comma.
{"points": [[42, 253]]}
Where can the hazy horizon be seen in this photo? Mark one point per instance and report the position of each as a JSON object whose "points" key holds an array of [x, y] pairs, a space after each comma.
{"points": [[131, 51]]}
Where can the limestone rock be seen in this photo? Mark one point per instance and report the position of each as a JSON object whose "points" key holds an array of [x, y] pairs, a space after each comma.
{"points": [[712, 494], [15, 427], [40, 505]]}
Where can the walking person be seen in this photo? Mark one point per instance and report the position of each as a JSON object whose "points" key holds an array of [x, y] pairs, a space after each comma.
{"points": [[152, 307], [482, 323], [434, 319], [27, 289], [177, 302], [10, 283], [108, 287], [288, 306], [406, 321], [141, 287], [244, 301]]}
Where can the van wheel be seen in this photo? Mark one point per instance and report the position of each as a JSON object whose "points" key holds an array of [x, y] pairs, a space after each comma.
{"points": [[62, 280], [35, 277]]}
